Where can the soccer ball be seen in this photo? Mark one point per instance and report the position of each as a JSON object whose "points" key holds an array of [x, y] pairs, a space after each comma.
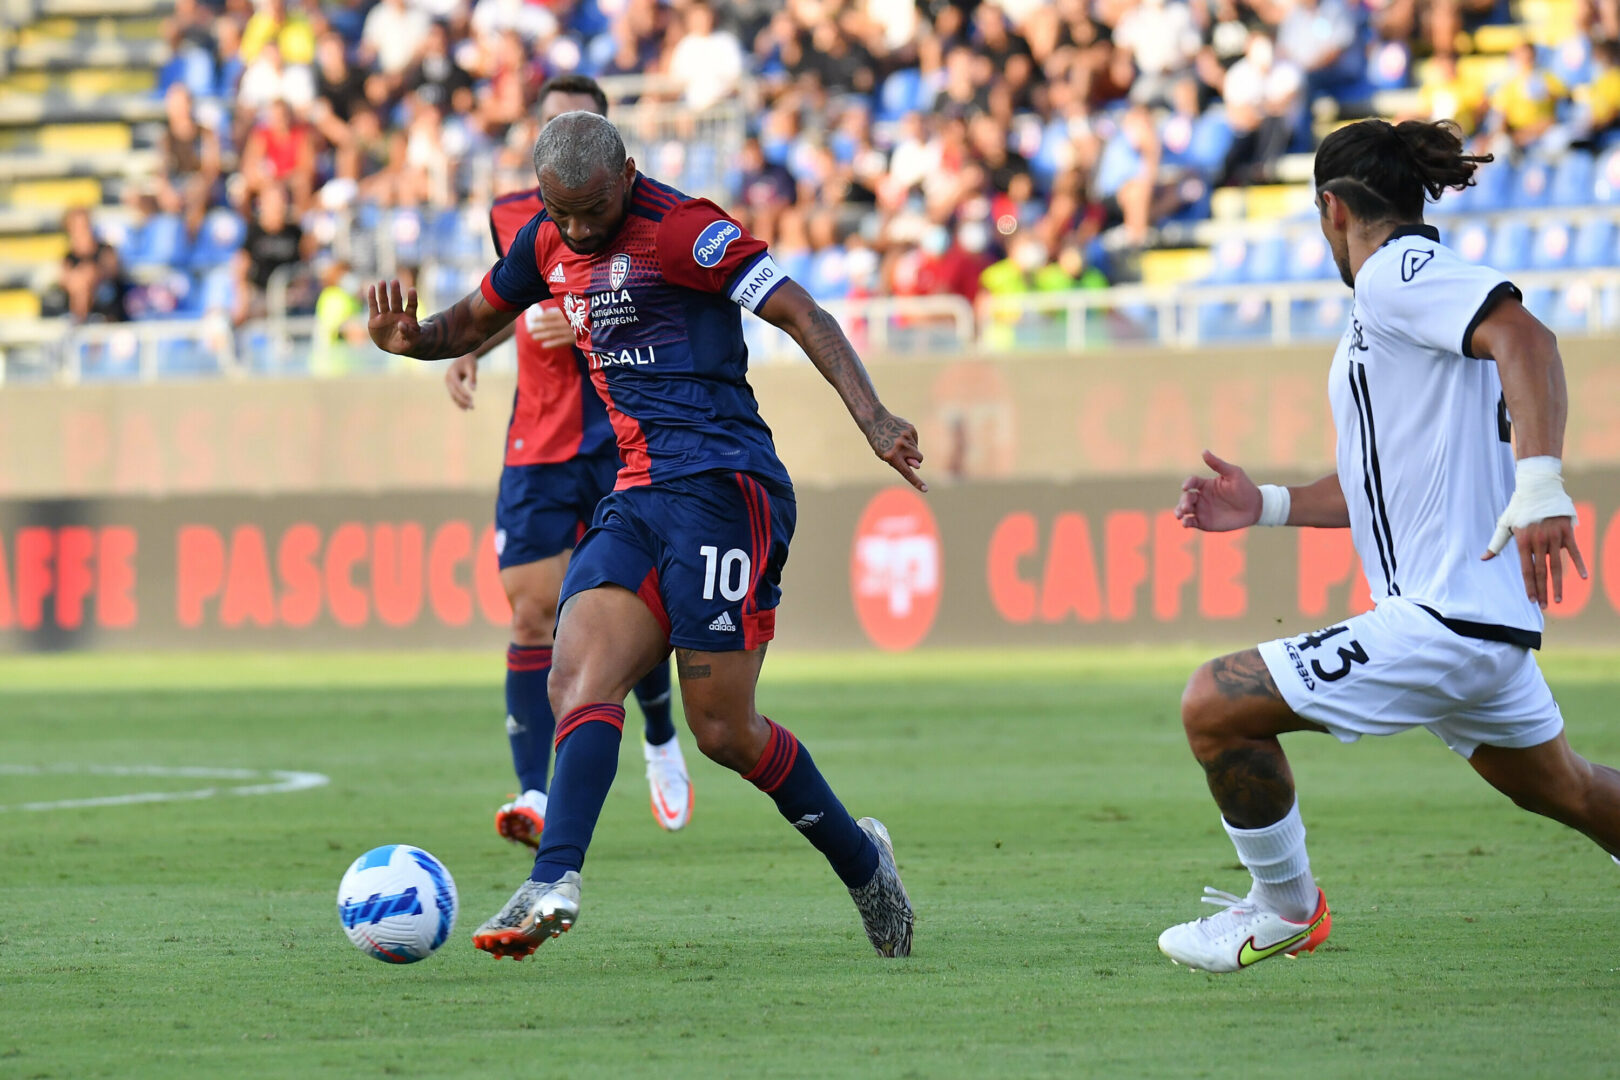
{"points": [[397, 903]]}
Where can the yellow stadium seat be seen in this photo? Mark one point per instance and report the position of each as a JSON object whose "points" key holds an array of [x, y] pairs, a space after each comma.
{"points": [[36, 248], [1175, 265], [68, 138], [71, 191], [18, 304]]}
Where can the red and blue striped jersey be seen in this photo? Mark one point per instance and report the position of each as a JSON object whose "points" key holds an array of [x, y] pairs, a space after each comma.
{"points": [[657, 313], [556, 413]]}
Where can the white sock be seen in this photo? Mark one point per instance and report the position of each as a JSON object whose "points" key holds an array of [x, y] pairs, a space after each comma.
{"points": [[1275, 856]]}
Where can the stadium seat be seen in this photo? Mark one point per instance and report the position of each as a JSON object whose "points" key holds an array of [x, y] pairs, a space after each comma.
{"points": [[1249, 320], [1267, 261], [1606, 187], [1472, 242], [1510, 246], [1532, 185], [1593, 245], [1572, 179], [407, 228], [1491, 190], [183, 357], [1319, 320], [829, 274], [1230, 256], [1541, 302], [1572, 307], [1212, 141], [219, 238], [1551, 249], [1309, 259]]}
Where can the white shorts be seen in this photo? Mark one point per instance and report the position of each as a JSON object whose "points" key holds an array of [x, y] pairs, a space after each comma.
{"points": [[1398, 667]]}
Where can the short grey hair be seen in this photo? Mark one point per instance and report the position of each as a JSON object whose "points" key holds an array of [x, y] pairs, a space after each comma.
{"points": [[576, 146]]}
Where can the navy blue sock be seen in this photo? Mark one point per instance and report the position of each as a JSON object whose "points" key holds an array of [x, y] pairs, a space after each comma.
{"points": [[652, 694], [787, 774], [529, 723], [587, 757]]}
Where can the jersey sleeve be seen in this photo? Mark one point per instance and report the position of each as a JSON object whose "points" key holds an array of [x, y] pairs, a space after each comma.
{"points": [[1436, 299], [701, 247], [515, 281]]}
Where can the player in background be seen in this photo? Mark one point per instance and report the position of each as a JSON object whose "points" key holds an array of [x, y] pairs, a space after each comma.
{"points": [[560, 462], [1439, 354], [688, 550]]}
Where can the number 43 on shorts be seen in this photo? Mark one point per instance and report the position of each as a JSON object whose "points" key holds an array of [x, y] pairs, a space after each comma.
{"points": [[1350, 653]]}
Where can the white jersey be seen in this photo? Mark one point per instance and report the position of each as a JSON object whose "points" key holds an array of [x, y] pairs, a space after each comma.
{"points": [[1425, 454]]}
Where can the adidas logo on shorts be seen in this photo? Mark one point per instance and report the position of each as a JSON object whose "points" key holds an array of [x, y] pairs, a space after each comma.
{"points": [[557, 276], [724, 623]]}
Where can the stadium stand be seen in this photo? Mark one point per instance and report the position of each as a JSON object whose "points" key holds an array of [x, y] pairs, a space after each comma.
{"points": [[1010, 174]]}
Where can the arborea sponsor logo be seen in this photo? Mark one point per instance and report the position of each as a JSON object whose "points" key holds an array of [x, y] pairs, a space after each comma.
{"points": [[897, 569], [710, 246]]}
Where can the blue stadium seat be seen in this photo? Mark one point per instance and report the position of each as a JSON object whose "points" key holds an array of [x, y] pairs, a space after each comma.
{"points": [[1472, 242], [1390, 66], [1510, 246], [1532, 185], [1249, 320], [1309, 259], [407, 228], [161, 241], [219, 238], [1552, 248], [1572, 180], [183, 356], [1229, 258], [1593, 245], [1573, 306], [1571, 61], [1493, 185], [1267, 261], [1606, 186], [829, 274], [1212, 141], [215, 292], [1541, 302]]}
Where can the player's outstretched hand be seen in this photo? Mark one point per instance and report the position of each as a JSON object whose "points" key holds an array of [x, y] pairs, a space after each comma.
{"points": [[461, 378], [1541, 547], [549, 327], [895, 440], [393, 324], [1220, 503]]}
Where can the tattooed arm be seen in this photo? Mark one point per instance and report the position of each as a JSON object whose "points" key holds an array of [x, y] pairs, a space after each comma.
{"points": [[892, 438], [459, 329]]}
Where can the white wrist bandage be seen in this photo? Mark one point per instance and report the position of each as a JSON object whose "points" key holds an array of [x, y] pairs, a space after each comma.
{"points": [[1538, 494], [1275, 502]]}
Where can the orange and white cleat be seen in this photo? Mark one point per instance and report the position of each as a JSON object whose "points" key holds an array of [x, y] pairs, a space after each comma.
{"points": [[523, 819], [669, 785], [537, 912], [1243, 934]]}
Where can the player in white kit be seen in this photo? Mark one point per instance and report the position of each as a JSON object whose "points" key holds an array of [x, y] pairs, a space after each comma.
{"points": [[1439, 354]]}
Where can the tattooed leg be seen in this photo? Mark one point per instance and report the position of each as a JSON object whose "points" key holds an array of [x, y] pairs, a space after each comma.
{"points": [[1233, 714]]}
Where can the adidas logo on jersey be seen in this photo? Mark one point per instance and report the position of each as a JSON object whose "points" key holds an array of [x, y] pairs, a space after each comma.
{"points": [[557, 276], [724, 623]]}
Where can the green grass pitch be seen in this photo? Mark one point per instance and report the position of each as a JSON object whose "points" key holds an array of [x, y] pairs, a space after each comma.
{"points": [[1048, 820]]}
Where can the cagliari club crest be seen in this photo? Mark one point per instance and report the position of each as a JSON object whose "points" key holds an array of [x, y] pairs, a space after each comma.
{"points": [[618, 272]]}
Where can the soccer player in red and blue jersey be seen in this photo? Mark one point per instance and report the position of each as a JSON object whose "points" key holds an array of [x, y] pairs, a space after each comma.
{"points": [[688, 550], [560, 462]]}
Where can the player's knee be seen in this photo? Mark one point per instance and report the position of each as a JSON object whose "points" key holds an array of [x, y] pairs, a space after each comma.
{"points": [[1201, 710], [567, 686], [720, 740], [534, 621]]}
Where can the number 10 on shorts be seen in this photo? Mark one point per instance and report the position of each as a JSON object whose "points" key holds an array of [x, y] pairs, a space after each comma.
{"points": [[731, 571]]}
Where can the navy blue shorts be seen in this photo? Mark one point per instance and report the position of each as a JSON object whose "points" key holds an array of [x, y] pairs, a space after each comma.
{"points": [[705, 553], [543, 510]]}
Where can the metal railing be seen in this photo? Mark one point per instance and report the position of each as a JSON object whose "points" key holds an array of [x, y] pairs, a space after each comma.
{"points": [[1279, 314], [923, 326]]}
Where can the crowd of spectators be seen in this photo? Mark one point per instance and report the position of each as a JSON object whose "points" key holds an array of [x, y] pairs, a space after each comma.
{"points": [[894, 147]]}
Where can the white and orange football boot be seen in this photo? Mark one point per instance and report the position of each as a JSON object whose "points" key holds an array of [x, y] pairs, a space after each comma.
{"points": [[522, 820], [670, 786], [1243, 934]]}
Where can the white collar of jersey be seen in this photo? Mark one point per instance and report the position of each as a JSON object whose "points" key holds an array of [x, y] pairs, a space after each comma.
{"points": [[1428, 232]]}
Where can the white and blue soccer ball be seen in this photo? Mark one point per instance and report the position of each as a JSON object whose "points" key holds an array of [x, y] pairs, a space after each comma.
{"points": [[398, 904]]}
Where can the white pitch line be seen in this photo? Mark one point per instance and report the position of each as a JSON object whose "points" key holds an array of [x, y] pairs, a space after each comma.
{"points": [[280, 782]]}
